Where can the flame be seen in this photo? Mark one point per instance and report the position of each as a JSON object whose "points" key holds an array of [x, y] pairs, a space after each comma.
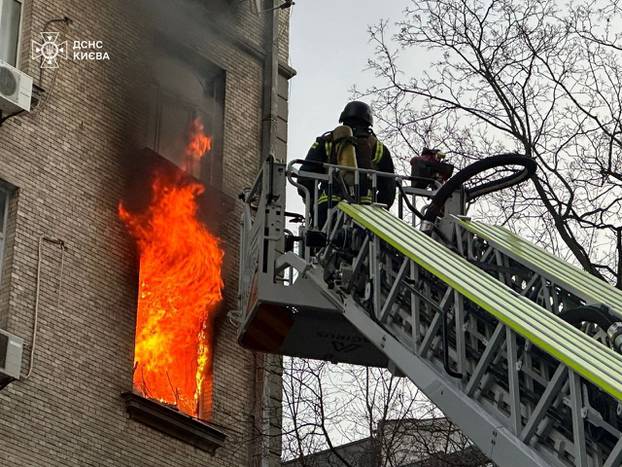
{"points": [[198, 143], [180, 287]]}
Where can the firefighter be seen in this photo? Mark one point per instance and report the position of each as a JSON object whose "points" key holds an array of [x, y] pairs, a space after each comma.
{"points": [[432, 155], [429, 166], [369, 152]]}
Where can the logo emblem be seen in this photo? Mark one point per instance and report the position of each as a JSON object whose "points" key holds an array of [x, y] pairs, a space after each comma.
{"points": [[49, 49]]}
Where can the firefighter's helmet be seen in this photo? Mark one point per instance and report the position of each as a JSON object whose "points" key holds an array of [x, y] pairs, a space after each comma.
{"points": [[357, 112]]}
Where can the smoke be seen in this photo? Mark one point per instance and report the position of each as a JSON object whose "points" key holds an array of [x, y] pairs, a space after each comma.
{"points": [[179, 18]]}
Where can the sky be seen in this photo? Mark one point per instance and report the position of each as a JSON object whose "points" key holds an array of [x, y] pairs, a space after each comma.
{"points": [[329, 48]]}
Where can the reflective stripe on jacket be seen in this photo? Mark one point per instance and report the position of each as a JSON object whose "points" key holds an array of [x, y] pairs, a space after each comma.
{"points": [[328, 148]]}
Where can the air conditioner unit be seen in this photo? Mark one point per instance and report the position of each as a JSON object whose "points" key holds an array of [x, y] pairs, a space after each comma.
{"points": [[15, 90], [10, 357]]}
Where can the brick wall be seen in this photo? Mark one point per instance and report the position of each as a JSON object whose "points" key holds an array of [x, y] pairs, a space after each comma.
{"points": [[68, 160]]}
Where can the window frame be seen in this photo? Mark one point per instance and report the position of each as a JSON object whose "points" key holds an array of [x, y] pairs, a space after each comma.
{"points": [[20, 26], [9, 214], [8, 193], [210, 169], [166, 100]]}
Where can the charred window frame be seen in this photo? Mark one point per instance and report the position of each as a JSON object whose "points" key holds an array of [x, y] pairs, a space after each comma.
{"points": [[11, 14], [173, 106]]}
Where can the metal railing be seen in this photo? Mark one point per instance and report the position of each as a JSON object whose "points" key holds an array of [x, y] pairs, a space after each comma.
{"points": [[330, 178]]}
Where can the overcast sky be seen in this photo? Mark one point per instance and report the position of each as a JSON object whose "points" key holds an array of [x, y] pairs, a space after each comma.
{"points": [[329, 47]]}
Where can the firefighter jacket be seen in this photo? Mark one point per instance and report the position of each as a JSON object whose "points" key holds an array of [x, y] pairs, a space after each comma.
{"points": [[370, 154]]}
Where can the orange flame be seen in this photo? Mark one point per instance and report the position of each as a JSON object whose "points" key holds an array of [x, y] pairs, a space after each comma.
{"points": [[180, 287], [198, 142]]}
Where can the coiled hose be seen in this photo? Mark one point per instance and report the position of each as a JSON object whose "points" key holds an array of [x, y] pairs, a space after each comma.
{"points": [[455, 182]]}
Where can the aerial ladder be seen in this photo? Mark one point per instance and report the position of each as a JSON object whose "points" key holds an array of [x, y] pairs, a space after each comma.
{"points": [[517, 347]]}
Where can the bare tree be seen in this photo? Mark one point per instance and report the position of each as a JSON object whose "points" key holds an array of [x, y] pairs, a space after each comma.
{"points": [[383, 420], [539, 77]]}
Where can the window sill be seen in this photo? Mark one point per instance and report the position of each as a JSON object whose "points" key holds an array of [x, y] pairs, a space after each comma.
{"points": [[174, 423]]}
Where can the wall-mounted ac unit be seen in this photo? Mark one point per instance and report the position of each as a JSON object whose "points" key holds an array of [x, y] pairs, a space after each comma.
{"points": [[15, 90], [10, 357]]}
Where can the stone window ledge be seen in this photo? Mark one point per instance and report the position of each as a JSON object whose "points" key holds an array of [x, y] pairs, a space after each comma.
{"points": [[167, 420]]}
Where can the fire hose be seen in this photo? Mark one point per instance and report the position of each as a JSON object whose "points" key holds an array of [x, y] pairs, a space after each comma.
{"points": [[600, 316], [444, 193]]}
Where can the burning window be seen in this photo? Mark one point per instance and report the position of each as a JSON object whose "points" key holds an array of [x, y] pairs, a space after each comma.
{"points": [[180, 285]]}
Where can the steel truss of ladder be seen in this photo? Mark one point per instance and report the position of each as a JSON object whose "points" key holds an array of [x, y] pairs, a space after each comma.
{"points": [[474, 326], [518, 381], [541, 276]]}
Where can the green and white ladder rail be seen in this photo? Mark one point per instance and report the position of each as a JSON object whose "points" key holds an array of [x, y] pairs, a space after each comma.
{"points": [[546, 279], [551, 281], [518, 414]]}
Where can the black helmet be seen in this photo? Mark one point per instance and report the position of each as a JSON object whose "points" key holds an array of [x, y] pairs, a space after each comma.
{"points": [[357, 111]]}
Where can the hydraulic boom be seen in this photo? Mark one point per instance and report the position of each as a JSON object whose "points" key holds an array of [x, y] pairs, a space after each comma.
{"points": [[517, 347]]}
